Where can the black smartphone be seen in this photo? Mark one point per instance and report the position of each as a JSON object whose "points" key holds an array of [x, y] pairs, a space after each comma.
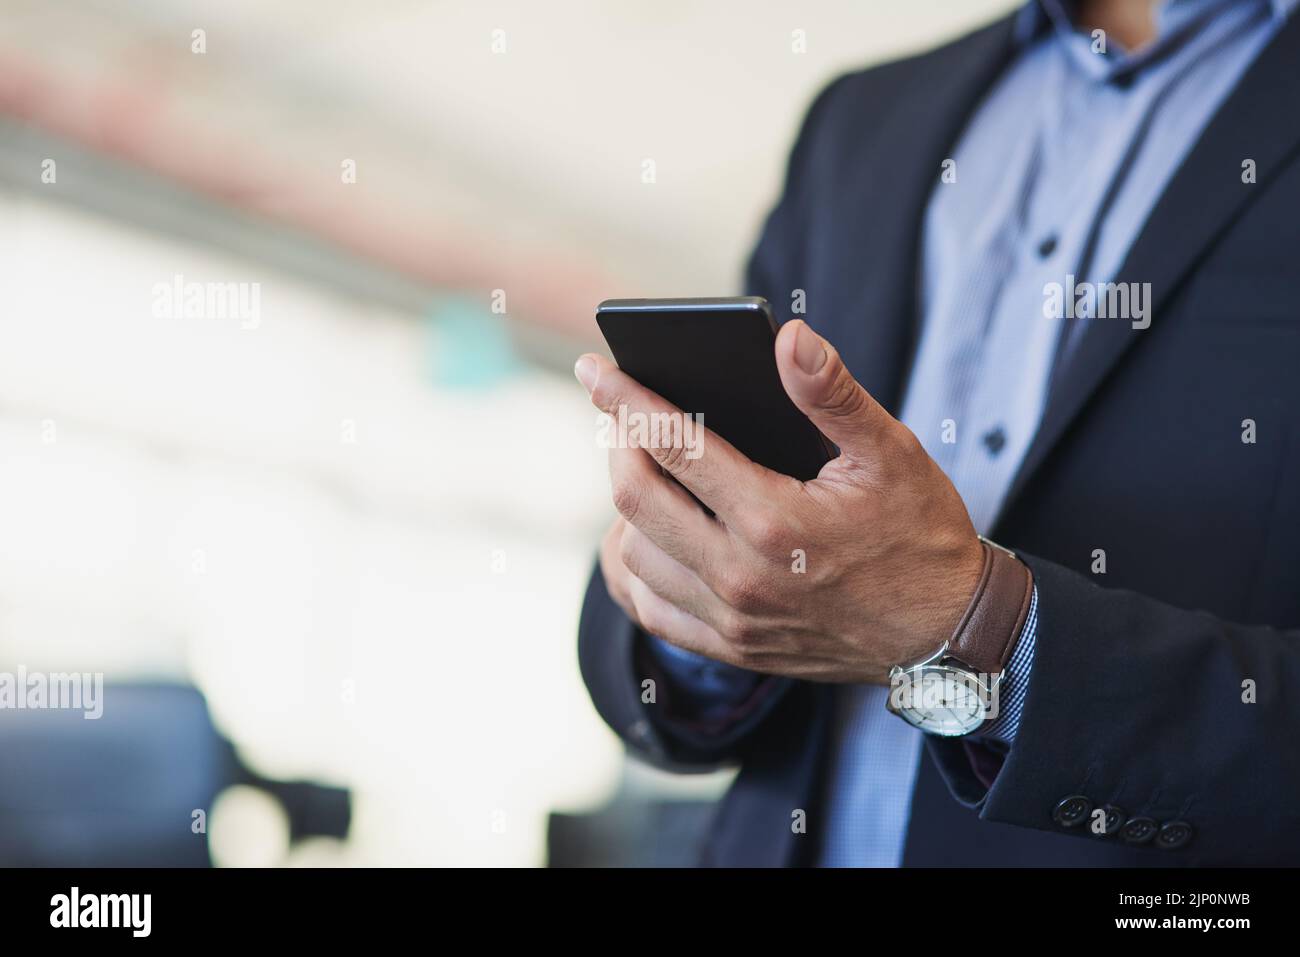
{"points": [[714, 358]]}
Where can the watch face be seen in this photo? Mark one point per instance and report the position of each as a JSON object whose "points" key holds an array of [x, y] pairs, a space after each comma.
{"points": [[940, 700]]}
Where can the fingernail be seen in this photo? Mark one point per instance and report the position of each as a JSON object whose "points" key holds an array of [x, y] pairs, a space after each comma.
{"points": [[809, 352], [585, 370]]}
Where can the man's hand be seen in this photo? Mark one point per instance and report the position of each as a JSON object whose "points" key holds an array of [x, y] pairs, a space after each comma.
{"points": [[890, 558]]}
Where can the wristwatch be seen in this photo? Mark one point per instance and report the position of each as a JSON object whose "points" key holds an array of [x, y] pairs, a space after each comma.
{"points": [[955, 690]]}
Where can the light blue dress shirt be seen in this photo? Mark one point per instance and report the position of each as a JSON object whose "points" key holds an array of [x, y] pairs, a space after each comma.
{"points": [[1055, 175]]}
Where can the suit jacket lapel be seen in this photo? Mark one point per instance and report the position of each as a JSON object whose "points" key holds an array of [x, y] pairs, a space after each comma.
{"points": [[1204, 197]]}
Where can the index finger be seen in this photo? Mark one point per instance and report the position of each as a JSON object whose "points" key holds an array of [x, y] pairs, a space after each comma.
{"points": [[707, 464]]}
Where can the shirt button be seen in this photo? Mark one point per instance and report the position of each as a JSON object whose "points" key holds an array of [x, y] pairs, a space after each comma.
{"points": [[1047, 247], [1072, 810], [1139, 830], [995, 440], [1174, 835]]}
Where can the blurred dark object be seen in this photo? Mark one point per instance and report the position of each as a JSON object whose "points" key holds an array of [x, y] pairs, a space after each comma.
{"points": [[122, 790], [632, 830], [314, 810]]}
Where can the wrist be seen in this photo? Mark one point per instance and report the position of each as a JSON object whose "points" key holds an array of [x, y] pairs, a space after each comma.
{"points": [[996, 614], [961, 581], [954, 689]]}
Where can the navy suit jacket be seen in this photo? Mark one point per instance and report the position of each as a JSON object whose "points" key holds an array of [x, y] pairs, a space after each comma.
{"points": [[1141, 695]]}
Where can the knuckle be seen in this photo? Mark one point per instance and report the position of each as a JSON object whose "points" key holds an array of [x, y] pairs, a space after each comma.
{"points": [[613, 536], [628, 497], [767, 532], [672, 457], [768, 526], [659, 620], [740, 633], [629, 554], [650, 620], [609, 551], [743, 594], [846, 399], [648, 615], [729, 625], [606, 396]]}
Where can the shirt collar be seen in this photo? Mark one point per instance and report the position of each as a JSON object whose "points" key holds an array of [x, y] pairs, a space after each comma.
{"points": [[1175, 21], [1036, 16]]}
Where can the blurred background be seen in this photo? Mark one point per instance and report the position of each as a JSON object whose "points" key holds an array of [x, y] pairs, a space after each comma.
{"points": [[290, 449]]}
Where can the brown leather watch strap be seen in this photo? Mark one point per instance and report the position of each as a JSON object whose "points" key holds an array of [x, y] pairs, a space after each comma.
{"points": [[988, 630]]}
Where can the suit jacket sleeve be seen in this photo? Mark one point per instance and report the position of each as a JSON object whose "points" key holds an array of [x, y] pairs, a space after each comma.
{"points": [[1164, 713]]}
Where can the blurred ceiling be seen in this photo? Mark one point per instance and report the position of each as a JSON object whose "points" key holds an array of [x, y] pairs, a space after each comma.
{"points": [[497, 144]]}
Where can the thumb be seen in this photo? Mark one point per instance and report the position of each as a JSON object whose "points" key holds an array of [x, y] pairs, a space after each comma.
{"points": [[822, 387]]}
